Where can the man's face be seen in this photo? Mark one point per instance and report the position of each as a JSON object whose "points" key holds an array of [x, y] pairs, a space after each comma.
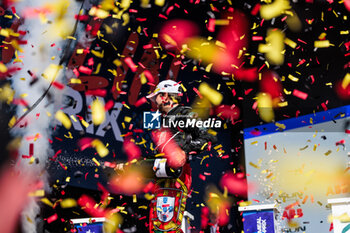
{"points": [[164, 103]]}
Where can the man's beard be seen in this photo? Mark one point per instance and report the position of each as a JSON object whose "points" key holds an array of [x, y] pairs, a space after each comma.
{"points": [[164, 106]]}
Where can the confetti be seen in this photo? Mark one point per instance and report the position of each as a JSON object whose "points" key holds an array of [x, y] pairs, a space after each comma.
{"points": [[274, 47], [212, 95], [132, 151], [175, 156], [89, 204], [274, 9], [129, 182], [300, 94], [98, 112], [100, 148], [322, 44], [68, 203], [235, 183], [131, 64], [64, 119], [265, 105]]}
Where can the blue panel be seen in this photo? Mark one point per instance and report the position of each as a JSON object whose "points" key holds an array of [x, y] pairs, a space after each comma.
{"points": [[297, 122]]}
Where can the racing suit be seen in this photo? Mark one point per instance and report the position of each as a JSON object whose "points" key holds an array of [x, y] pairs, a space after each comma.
{"points": [[172, 185]]}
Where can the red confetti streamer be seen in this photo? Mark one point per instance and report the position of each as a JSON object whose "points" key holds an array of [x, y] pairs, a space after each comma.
{"points": [[248, 75], [58, 85], [235, 183], [343, 93], [341, 142], [105, 193], [89, 206], [175, 156], [228, 112], [169, 10], [52, 218], [223, 218], [211, 25], [300, 94], [91, 62], [20, 102], [140, 102], [132, 151], [178, 30], [255, 9], [257, 38], [198, 93], [76, 72], [85, 143], [130, 63], [149, 76], [81, 17], [85, 70], [57, 153], [149, 187], [347, 4], [97, 92], [270, 83], [204, 217], [62, 166], [109, 105], [148, 46]]}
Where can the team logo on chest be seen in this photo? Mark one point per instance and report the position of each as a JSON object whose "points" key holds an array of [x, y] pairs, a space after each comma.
{"points": [[165, 208]]}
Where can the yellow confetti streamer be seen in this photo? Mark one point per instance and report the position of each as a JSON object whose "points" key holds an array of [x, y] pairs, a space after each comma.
{"points": [[328, 153], [6, 93], [68, 203], [290, 43], [37, 193], [322, 44], [293, 78], [274, 9], [274, 47], [254, 165], [46, 201], [281, 126], [3, 68], [96, 162], [127, 119], [145, 3], [159, 2], [294, 22], [12, 122], [212, 95], [98, 112], [345, 81], [64, 119], [100, 148], [126, 19], [112, 222], [98, 54], [265, 107]]}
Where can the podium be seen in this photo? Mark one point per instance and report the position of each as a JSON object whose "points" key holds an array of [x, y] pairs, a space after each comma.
{"points": [[88, 225], [341, 214], [259, 218]]}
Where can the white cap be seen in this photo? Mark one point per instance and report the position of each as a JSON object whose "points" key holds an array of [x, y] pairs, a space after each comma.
{"points": [[166, 86]]}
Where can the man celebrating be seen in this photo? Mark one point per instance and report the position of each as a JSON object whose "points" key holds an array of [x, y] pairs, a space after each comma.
{"points": [[178, 143]]}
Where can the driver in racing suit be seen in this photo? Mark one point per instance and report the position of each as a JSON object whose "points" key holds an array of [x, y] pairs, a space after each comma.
{"points": [[173, 184]]}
